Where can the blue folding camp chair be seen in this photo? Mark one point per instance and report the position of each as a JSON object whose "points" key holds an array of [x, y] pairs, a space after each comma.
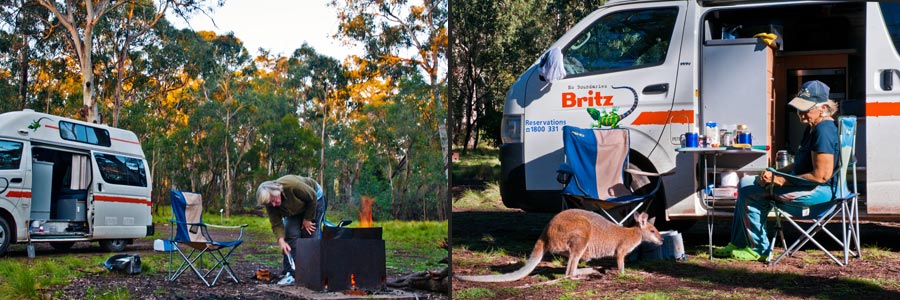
{"points": [[844, 202], [188, 229], [596, 161]]}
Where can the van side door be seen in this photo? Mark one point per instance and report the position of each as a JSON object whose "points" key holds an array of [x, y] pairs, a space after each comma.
{"points": [[621, 60], [121, 196], [15, 191], [882, 107]]}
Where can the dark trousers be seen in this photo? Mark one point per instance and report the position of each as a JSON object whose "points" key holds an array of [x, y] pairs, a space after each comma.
{"points": [[293, 229]]}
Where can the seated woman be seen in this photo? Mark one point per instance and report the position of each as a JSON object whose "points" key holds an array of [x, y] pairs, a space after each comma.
{"points": [[815, 161]]}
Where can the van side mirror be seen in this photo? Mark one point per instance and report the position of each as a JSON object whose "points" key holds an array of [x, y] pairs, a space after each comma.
{"points": [[887, 79]]}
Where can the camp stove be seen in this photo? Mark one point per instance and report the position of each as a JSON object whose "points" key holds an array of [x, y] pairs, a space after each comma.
{"points": [[345, 259]]}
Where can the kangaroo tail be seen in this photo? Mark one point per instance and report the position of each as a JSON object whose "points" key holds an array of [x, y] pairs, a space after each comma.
{"points": [[633, 106], [536, 255]]}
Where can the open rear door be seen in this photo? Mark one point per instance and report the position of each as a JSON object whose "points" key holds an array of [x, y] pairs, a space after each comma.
{"points": [[882, 107]]}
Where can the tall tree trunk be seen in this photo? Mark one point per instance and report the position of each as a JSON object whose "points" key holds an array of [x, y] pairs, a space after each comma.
{"points": [[322, 152], [228, 173], [23, 70]]}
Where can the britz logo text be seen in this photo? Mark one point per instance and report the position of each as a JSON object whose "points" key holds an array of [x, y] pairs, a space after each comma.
{"points": [[570, 99]]}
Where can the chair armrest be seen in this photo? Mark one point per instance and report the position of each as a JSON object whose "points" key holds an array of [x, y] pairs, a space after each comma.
{"points": [[645, 173], [226, 227], [564, 168], [210, 238], [565, 173], [793, 179]]}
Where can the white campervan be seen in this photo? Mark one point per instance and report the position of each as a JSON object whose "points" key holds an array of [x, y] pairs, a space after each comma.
{"points": [[693, 61], [64, 181]]}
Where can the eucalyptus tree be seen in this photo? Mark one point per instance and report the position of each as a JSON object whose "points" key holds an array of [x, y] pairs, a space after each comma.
{"points": [[79, 18], [388, 29], [317, 78]]}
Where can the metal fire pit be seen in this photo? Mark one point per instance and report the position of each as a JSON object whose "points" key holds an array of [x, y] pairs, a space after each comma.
{"points": [[327, 264]]}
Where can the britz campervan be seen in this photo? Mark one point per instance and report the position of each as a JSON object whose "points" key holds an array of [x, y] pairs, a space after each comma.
{"points": [[64, 181], [667, 67]]}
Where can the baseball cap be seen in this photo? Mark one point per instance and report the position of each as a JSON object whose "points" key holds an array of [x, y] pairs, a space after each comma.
{"points": [[811, 93]]}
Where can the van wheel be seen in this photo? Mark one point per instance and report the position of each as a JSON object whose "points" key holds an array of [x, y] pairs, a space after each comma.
{"points": [[5, 236], [113, 245], [62, 246]]}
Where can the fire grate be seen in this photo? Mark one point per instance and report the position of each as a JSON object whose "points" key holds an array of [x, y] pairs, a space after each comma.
{"points": [[344, 259]]}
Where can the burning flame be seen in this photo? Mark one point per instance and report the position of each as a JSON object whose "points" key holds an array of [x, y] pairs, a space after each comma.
{"points": [[352, 281], [365, 212]]}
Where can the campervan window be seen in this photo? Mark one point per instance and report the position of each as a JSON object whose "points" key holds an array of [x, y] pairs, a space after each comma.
{"points": [[10, 155], [84, 134], [891, 13], [626, 39], [117, 169]]}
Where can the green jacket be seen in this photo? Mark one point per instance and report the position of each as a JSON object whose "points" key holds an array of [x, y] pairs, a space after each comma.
{"points": [[299, 197]]}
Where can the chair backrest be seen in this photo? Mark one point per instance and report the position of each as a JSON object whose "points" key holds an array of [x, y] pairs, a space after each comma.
{"points": [[321, 207], [187, 208], [847, 139], [598, 158]]}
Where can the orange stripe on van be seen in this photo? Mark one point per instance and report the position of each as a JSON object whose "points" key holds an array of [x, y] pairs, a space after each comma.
{"points": [[663, 117], [51, 127], [117, 199], [125, 141], [18, 194], [883, 109]]}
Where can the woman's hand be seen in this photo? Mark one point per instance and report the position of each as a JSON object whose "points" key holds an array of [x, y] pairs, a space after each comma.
{"points": [[309, 226], [284, 246]]}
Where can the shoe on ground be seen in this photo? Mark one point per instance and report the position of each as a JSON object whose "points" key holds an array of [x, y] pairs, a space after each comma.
{"points": [[746, 254], [288, 279], [724, 252]]}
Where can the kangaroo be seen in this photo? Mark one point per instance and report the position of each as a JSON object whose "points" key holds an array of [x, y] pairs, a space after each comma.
{"points": [[581, 234]]}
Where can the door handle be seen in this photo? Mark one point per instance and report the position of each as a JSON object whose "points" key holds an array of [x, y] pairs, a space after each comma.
{"points": [[16, 180], [887, 79], [661, 88], [99, 187]]}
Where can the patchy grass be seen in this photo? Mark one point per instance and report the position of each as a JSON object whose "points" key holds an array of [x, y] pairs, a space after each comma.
{"points": [[117, 294], [473, 293], [568, 285], [414, 245], [629, 277], [487, 199], [478, 258], [874, 252]]}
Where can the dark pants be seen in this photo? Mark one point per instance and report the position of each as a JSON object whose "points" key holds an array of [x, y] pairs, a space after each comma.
{"points": [[293, 229]]}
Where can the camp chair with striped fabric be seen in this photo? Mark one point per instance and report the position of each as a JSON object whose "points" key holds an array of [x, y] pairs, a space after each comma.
{"points": [[189, 230], [595, 170]]}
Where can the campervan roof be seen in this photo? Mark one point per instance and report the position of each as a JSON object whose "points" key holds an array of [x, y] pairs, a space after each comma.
{"points": [[41, 128]]}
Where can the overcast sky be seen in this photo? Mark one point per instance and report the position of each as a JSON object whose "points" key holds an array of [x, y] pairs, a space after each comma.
{"points": [[278, 25]]}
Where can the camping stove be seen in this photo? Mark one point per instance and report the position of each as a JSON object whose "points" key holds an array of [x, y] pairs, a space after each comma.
{"points": [[344, 259]]}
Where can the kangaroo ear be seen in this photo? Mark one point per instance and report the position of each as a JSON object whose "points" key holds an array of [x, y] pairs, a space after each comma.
{"points": [[652, 220], [641, 219]]}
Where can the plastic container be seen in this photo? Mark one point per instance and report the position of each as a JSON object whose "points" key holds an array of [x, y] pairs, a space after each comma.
{"points": [[712, 134]]}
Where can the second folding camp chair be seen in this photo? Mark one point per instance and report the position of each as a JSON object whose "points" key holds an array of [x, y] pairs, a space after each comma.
{"points": [[321, 223], [595, 169], [843, 203], [189, 230]]}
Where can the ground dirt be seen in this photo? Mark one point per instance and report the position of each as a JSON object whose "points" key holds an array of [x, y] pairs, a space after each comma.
{"points": [[495, 242], [254, 254]]}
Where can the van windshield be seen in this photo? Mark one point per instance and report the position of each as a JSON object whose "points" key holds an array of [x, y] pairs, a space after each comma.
{"points": [[622, 40], [10, 155]]}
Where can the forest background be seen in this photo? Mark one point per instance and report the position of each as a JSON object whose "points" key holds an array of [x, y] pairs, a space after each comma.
{"points": [[214, 119]]}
